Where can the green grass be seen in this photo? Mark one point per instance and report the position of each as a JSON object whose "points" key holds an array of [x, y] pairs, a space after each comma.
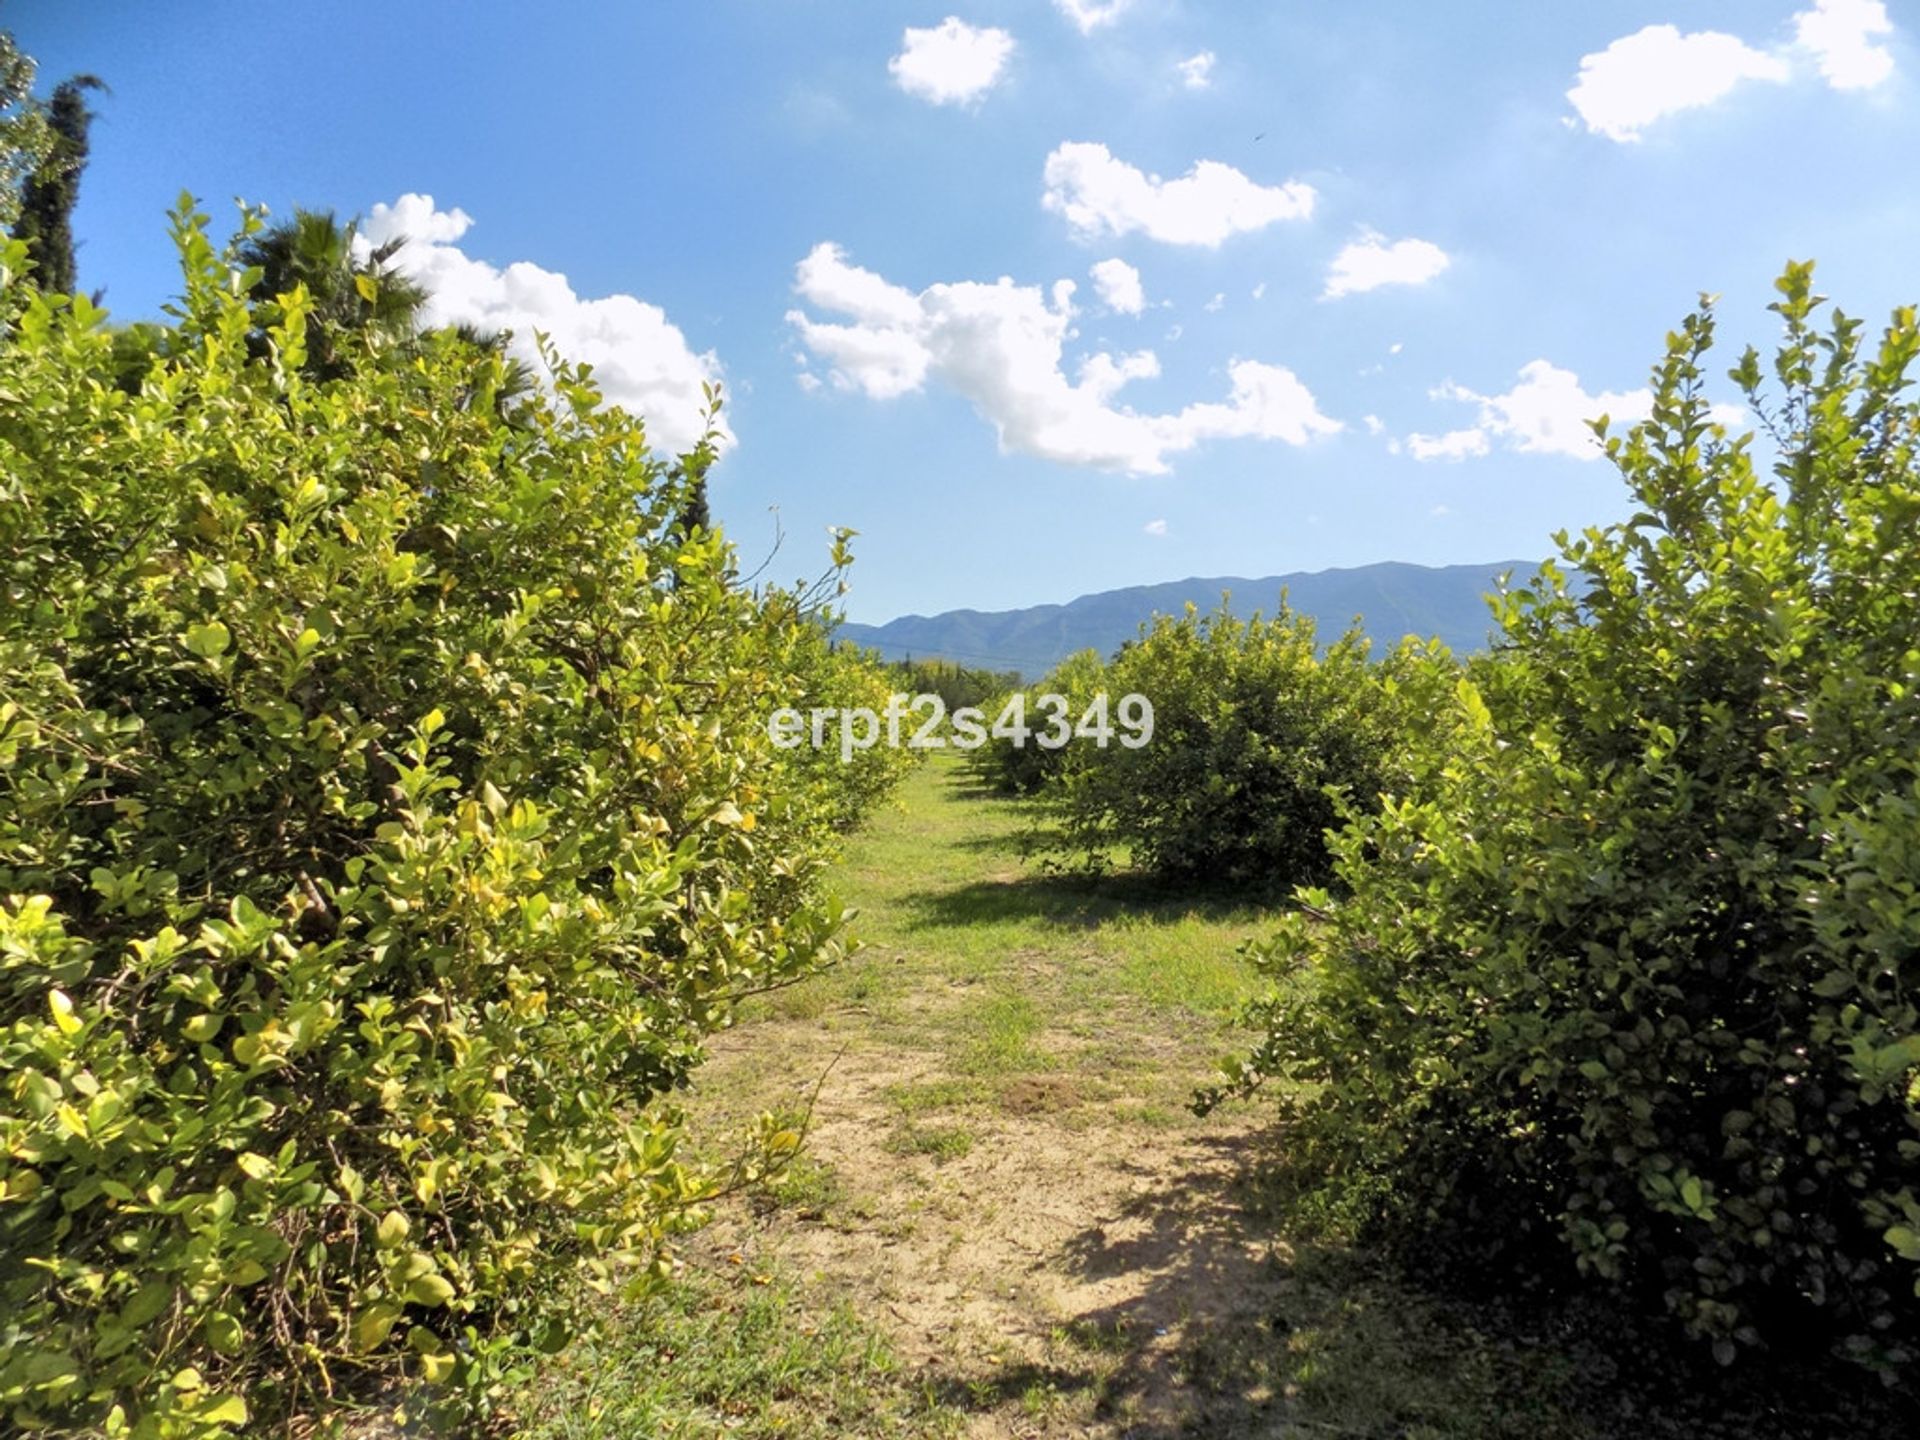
{"points": [[739, 1354], [1001, 969], [942, 1142]]}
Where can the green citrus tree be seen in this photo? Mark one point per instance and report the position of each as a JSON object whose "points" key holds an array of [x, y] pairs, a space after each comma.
{"points": [[386, 815], [1627, 971]]}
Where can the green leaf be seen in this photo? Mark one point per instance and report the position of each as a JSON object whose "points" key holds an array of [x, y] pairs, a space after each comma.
{"points": [[431, 1290], [393, 1229], [372, 1325], [226, 1410], [224, 1333], [208, 640], [202, 1028]]}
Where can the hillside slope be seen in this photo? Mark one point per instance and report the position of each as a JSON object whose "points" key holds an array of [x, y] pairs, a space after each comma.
{"points": [[1392, 599]]}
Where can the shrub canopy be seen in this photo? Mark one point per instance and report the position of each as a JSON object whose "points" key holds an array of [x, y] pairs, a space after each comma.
{"points": [[1629, 967], [386, 814], [1259, 735]]}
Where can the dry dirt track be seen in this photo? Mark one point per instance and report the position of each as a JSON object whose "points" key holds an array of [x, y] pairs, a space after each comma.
{"points": [[1065, 1276]]}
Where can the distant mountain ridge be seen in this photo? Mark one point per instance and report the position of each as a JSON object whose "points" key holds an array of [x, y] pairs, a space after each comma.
{"points": [[1391, 599]]}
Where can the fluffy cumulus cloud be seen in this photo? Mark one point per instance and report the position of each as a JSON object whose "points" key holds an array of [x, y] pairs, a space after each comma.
{"points": [[1003, 346], [1545, 413], [953, 63], [1373, 261], [1196, 71], [1089, 15], [1839, 35], [1099, 194], [1154, 527], [641, 359], [1658, 71], [1118, 285]]}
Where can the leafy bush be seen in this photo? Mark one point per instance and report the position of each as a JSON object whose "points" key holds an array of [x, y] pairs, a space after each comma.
{"points": [[842, 677], [1256, 735], [1630, 969], [1028, 767], [386, 813], [958, 686]]}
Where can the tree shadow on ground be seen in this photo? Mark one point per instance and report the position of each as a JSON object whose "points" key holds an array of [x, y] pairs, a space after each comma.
{"points": [[1070, 900], [968, 786], [1245, 1335], [1237, 1333]]}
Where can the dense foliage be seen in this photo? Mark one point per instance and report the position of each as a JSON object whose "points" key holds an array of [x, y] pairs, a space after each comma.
{"points": [[957, 685], [841, 677], [1020, 765], [1259, 733], [386, 813], [25, 137], [1628, 970], [348, 287]]}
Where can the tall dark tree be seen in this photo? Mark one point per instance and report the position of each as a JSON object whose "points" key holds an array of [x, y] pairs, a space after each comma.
{"points": [[694, 465], [695, 515], [53, 189]]}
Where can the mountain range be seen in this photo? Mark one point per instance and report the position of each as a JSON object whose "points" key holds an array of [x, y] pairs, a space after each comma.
{"points": [[1390, 599]]}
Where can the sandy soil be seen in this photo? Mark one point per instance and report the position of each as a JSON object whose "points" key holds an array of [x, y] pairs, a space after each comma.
{"points": [[1059, 1278]]}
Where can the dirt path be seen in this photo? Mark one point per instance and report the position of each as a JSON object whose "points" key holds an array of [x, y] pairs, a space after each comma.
{"points": [[1058, 1278], [1001, 1174]]}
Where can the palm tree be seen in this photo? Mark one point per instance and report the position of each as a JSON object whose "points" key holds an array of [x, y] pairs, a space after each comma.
{"points": [[349, 295], [517, 379]]}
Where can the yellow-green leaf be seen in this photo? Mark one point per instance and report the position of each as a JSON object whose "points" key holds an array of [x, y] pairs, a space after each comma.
{"points": [[62, 1009], [393, 1229], [208, 640], [431, 1290]]}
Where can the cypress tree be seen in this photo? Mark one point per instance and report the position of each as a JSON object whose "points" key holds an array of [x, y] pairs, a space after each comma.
{"points": [[53, 189]]}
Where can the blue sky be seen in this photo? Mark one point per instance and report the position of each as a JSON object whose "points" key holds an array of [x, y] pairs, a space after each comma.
{"points": [[1343, 277]]}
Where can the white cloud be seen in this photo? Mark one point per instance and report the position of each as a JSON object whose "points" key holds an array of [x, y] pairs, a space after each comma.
{"points": [[1373, 261], [1217, 303], [1454, 445], [1154, 527], [1212, 202], [1545, 413], [1196, 71], [1375, 425], [1118, 284], [1837, 33], [1657, 72], [953, 63], [1090, 15], [1002, 346], [1260, 291], [641, 360]]}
